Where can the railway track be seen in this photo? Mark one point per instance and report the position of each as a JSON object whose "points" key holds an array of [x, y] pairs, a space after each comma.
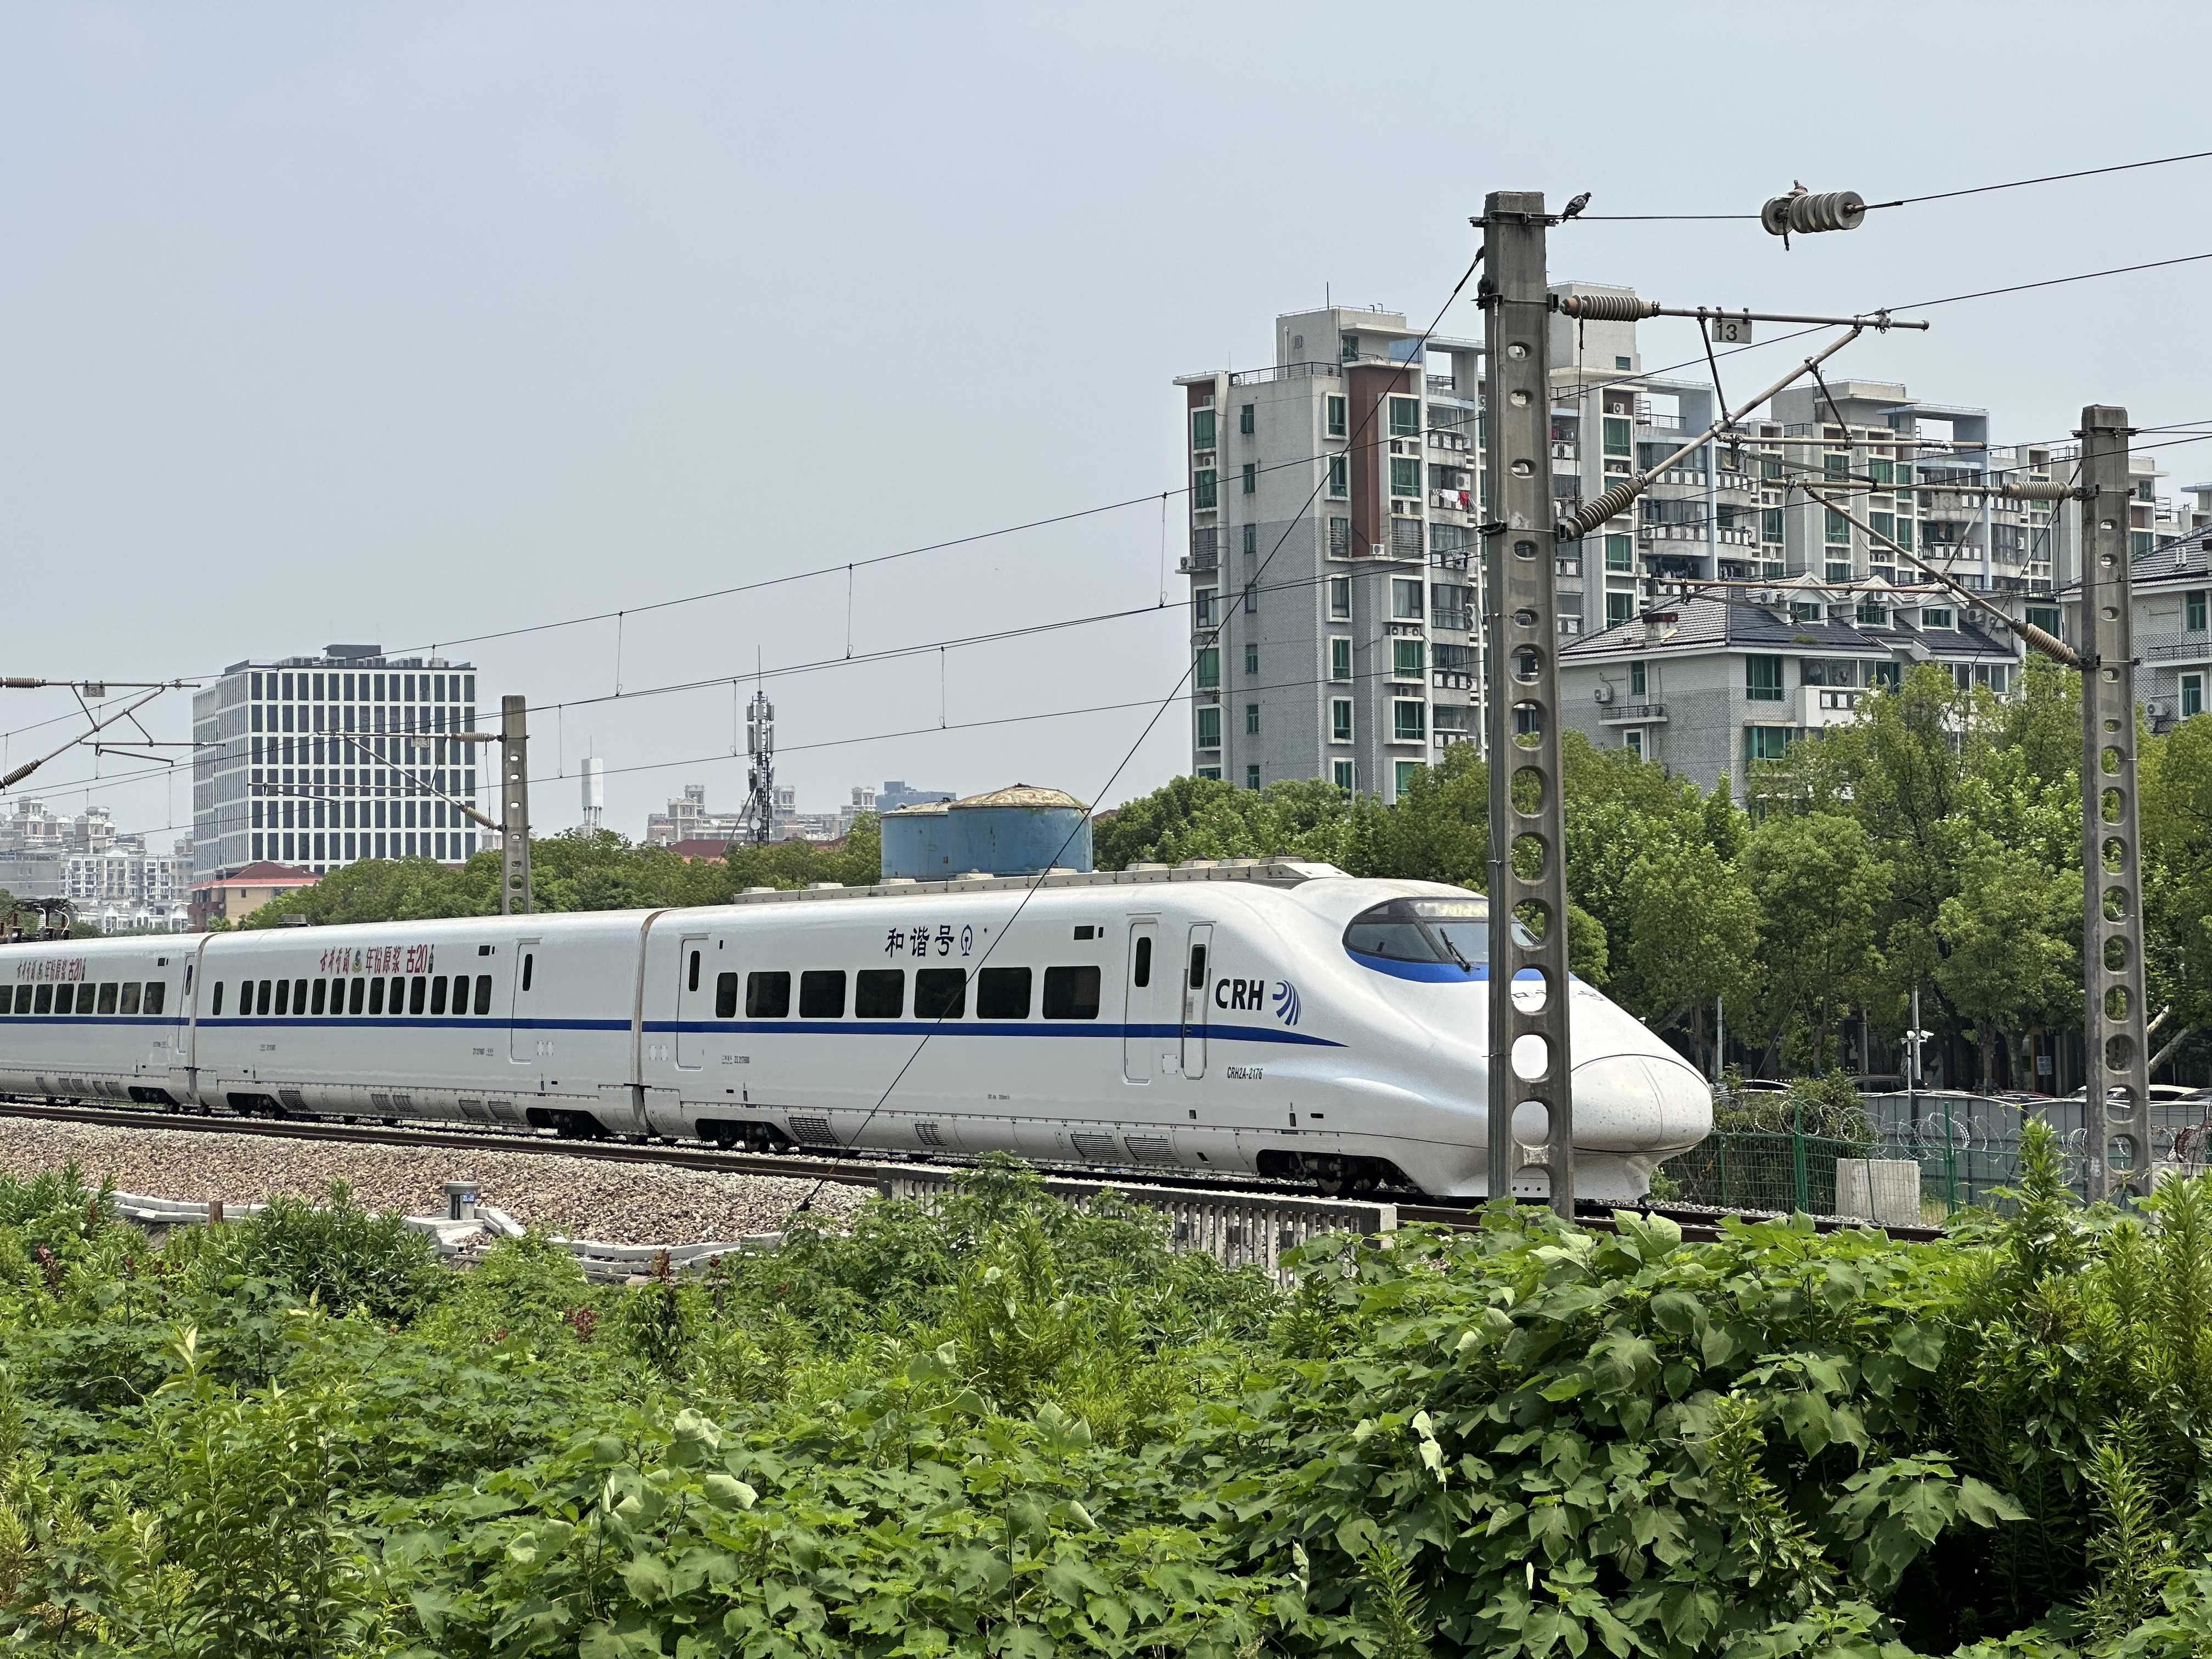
{"points": [[1698, 1225]]}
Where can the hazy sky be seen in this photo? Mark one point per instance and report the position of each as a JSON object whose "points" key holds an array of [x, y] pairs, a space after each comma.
{"points": [[406, 323]]}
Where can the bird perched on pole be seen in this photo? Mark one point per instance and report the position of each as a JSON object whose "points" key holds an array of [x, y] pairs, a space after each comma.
{"points": [[1574, 207]]}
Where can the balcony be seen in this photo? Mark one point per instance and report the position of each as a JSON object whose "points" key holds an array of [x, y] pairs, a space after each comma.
{"points": [[1288, 372], [1452, 500], [1445, 739], [1460, 620], [1448, 438], [1450, 680], [1828, 705], [1193, 564], [1633, 714], [2168, 646], [1566, 452], [1455, 559]]}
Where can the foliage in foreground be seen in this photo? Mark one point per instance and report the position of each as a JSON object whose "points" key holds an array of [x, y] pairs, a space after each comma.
{"points": [[1011, 1427]]}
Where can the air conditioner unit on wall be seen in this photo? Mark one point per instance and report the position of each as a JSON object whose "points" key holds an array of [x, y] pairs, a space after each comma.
{"points": [[2156, 709], [1602, 694]]}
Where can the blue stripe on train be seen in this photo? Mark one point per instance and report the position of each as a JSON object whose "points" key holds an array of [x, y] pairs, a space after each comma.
{"points": [[1222, 1033]]}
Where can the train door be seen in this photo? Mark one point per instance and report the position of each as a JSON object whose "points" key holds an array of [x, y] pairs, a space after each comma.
{"points": [[1147, 990], [695, 997], [1193, 1001], [525, 1046]]}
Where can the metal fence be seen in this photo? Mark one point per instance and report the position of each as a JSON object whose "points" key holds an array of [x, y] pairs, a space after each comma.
{"points": [[1735, 1169]]}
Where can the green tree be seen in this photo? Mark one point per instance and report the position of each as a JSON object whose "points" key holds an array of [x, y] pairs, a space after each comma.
{"points": [[2007, 964], [1819, 887], [1693, 937]]}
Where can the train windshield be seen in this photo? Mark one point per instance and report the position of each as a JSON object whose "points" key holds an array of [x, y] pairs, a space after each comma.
{"points": [[1453, 931]]}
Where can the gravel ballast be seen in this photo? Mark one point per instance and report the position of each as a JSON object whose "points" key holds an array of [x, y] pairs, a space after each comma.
{"points": [[577, 1197]]}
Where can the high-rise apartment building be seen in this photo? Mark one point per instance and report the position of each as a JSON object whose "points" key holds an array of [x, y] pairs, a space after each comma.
{"points": [[319, 761], [1331, 514], [1335, 564]]}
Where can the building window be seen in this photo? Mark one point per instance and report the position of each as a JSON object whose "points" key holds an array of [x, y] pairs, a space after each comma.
{"points": [[1620, 553], [1201, 605], [1339, 721], [1840, 527], [1340, 597], [2147, 490], [1619, 608], [2193, 695], [1332, 415], [1339, 773], [1405, 771], [1251, 480], [1633, 743], [1620, 362], [1884, 524], [1405, 660], [1762, 679], [1251, 777], [1904, 533], [1339, 476], [1340, 658], [1209, 669], [1251, 540], [1873, 615], [1244, 416], [1251, 720], [1409, 720], [1340, 538], [1251, 598], [1638, 680], [1203, 494], [1405, 418], [1209, 728], [1839, 570], [1251, 659], [2141, 542], [1620, 436], [1763, 743], [2193, 604], [1347, 346], [1405, 598], [2046, 618], [1201, 428], [1935, 616], [1770, 524], [1405, 476], [1209, 772]]}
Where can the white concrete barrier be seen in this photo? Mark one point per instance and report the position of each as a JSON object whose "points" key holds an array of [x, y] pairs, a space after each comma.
{"points": [[1885, 1191]]}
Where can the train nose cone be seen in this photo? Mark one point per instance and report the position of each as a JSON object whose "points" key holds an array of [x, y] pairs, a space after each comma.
{"points": [[1636, 1102]]}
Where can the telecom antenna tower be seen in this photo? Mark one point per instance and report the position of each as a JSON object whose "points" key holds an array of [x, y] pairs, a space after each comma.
{"points": [[760, 777], [595, 795]]}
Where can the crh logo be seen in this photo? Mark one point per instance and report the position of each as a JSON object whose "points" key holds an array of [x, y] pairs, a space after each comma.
{"points": [[1243, 995]]}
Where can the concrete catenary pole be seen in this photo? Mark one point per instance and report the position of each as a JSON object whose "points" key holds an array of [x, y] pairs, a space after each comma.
{"points": [[1522, 643], [514, 807], [2116, 1101]]}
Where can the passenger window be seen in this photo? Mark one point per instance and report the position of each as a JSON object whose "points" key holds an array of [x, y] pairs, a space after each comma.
{"points": [[879, 993], [129, 1002], [1071, 993], [397, 1002], [157, 994], [356, 995], [940, 993], [822, 994], [693, 983], [418, 996], [460, 994], [261, 998], [1002, 993], [768, 996], [484, 993], [299, 996], [107, 997], [23, 999], [322, 996], [45, 1003], [726, 996], [283, 996], [437, 995], [1144, 973], [528, 962], [376, 996], [1198, 967], [215, 1013]]}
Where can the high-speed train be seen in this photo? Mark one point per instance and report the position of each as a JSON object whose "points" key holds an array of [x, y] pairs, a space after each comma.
{"points": [[1268, 1017]]}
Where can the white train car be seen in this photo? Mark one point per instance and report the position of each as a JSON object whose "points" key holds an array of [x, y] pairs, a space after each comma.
{"points": [[1268, 1018]]}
